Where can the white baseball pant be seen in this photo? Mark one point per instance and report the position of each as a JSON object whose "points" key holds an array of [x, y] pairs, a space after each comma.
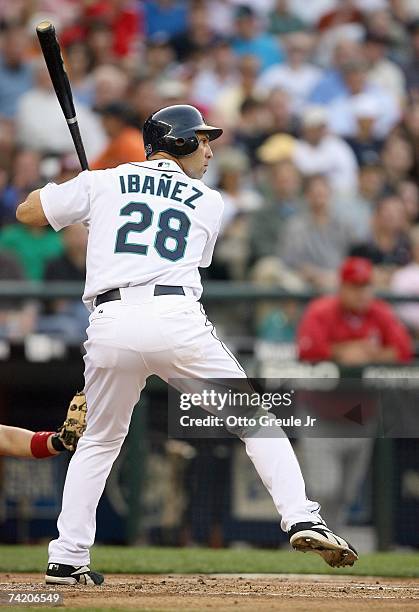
{"points": [[129, 340]]}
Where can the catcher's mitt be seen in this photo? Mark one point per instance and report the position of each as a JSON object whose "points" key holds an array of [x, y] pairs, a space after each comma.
{"points": [[75, 424]]}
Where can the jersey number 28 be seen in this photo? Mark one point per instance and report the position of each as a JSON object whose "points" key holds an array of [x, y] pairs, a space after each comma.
{"points": [[170, 241]]}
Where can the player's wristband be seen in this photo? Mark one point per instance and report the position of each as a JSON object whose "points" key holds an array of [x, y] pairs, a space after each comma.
{"points": [[39, 444]]}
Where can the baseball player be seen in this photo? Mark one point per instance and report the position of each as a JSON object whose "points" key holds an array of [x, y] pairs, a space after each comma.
{"points": [[151, 226], [18, 442]]}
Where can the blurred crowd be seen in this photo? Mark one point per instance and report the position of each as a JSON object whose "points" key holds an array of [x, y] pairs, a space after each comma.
{"points": [[319, 102]]}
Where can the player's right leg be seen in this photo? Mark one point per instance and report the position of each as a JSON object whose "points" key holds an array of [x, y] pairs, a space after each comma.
{"points": [[197, 353]]}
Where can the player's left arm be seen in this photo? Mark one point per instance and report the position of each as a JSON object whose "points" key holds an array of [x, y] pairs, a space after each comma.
{"points": [[30, 212]]}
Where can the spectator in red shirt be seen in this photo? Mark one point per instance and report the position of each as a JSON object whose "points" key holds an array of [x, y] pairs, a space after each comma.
{"points": [[353, 327]]}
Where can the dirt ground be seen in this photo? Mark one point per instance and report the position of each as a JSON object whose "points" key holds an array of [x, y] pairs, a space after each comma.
{"points": [[232, 592]]}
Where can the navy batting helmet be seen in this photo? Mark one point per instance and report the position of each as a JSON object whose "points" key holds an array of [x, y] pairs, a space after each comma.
{"points": [[173, 130]]}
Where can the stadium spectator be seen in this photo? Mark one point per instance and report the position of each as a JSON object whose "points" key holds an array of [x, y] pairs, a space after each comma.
{"points": [[198, 39], [358, 208], [16, 72], [408, 191], [341, 110], [167, 17], [352, 327], [282, 20], [251, 40], [219, 74], [39, 108], [24, 177], [397, 159], [315, 241], [383, 72], [17, 318], [229, 102], [67, 318], [387, 246], [159, 61], [297, 76], [280, 186], [125, 141], [32, 247], [79, 64], [321, 152], [144, 98], [122, 20], [332, 84], [365, 145], [110, 84]]}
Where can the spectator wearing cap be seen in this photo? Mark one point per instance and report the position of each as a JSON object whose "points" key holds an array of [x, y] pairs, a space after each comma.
{"points": [[382, 72], [16, 72], [351, 328], [125, 141], [387, 246], [250, 40], [365, 145], [315, 241], [320, 152], [342, 120], [297, 76]]}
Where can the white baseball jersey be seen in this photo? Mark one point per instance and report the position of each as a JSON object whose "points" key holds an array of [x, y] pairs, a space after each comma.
{"points": [[149, 223]]}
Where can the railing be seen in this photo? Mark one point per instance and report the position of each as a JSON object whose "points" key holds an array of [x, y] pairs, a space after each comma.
{"points": [[214, 291]]}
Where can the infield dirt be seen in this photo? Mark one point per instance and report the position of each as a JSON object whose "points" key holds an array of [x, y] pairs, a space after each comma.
{"points": [[231, 592]]}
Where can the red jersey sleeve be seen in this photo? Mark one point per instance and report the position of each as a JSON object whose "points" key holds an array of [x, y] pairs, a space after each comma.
{"points": [[312, 336], [394, 332]]}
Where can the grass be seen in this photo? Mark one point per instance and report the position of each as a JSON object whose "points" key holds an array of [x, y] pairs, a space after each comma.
{"points": [[150, 560]]}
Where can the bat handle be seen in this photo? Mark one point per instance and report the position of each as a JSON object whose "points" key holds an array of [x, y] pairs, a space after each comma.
{"points": [[75, 133]]}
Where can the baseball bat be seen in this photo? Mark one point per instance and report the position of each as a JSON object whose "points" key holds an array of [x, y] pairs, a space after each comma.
{"points": [[54, 61]]}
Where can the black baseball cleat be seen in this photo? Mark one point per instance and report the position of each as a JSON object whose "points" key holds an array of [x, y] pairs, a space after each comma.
{"points": [[317, 537], [58, 573]]}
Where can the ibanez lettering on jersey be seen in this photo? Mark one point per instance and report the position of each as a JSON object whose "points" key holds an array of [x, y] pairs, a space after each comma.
{"points": [[164, 187]]}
